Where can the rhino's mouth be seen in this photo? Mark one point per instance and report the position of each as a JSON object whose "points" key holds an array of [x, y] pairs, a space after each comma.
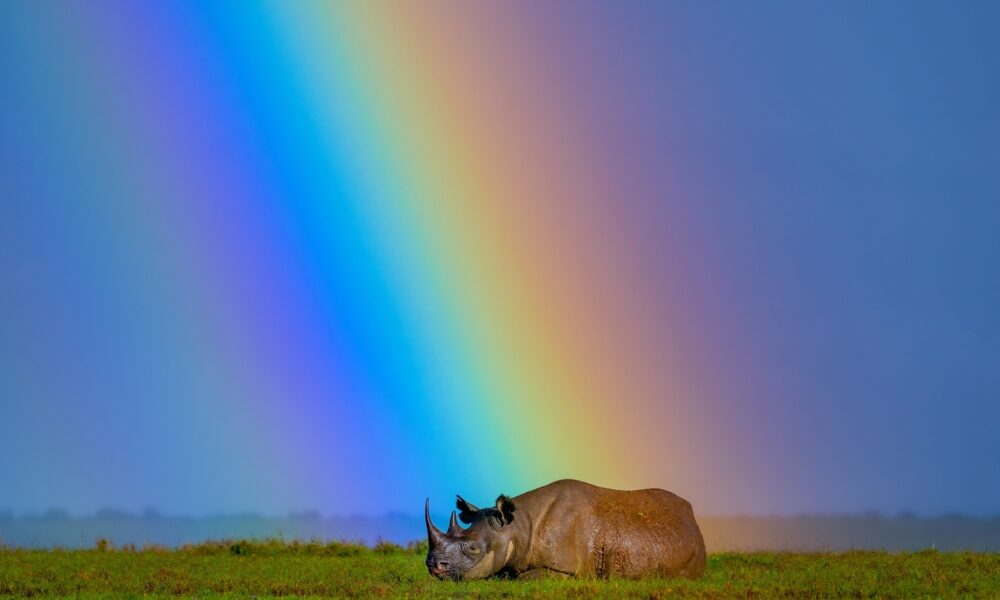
{"points": [[445, 575], [439, 573], [441, 570]]}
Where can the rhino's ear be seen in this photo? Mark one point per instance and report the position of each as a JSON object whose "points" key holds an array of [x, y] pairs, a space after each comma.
{"points": [[466, 510], [505, 508]]}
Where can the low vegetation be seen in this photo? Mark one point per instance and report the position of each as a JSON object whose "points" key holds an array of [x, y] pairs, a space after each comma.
{"points": [[317, 569]]}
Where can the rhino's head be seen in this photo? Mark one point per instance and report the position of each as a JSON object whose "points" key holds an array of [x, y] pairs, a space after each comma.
{"points": [[475, 552]]}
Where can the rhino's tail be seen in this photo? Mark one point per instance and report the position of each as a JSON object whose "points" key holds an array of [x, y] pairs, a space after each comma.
{"points": [[695, 565]]}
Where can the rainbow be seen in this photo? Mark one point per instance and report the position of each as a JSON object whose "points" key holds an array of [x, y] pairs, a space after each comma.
{"points": [[347, 255]]}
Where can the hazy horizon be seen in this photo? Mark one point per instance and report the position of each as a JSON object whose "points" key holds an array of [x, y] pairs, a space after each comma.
{"points": [[307, 513], [816, 532]]}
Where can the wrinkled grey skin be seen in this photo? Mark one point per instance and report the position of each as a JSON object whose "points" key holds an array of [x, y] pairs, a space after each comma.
{"points": [[569, 529]]}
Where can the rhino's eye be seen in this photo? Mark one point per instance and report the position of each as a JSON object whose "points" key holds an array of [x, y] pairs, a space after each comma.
{"points": [[473, 550]]}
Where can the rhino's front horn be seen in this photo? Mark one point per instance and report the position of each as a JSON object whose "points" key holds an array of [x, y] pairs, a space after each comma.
{"points": [[434, 535], [453, 527]]}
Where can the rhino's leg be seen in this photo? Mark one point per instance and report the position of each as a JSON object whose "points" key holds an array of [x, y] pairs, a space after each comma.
{"points": [[542, 573]]}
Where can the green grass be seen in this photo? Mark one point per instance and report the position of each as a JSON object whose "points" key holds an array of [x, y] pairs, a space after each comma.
{"points": [[275, 568]]}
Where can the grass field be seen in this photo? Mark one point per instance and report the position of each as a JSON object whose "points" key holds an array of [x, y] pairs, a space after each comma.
{"points": [[276, 568]]}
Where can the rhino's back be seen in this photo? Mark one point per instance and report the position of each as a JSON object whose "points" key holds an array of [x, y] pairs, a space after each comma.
{"points": [[645, 532], [599, 532]]}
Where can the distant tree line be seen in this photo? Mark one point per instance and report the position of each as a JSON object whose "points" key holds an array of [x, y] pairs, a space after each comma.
{"points": [[57, 528]]}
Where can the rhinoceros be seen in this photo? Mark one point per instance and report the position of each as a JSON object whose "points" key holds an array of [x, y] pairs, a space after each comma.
{"points": [[569, 529]]}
